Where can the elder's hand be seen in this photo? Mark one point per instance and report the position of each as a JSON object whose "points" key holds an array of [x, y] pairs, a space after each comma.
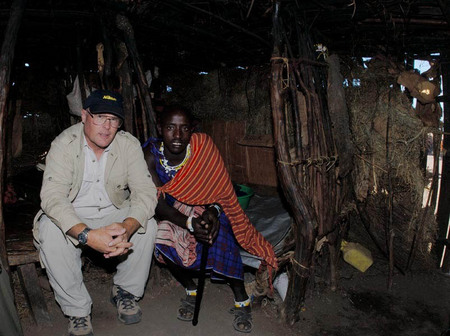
{"points": [[100, 239], [120, 242], [206, 227]]}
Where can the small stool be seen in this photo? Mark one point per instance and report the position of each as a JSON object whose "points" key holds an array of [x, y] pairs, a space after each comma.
{"points": [[23, 255]]}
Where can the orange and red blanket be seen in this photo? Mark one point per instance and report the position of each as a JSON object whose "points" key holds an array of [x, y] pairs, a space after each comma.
{"points": [[205, 180]]}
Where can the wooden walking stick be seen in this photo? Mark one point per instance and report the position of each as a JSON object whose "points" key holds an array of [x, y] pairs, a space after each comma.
{"points": [[201, 283]]}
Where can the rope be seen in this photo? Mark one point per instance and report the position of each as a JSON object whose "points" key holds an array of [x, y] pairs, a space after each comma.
{"points": [[295, 262], [284, 81], [329, 161]]}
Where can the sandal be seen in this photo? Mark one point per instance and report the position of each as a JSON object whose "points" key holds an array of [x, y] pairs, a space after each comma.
{"points": [[242, 319], [186, 309]]}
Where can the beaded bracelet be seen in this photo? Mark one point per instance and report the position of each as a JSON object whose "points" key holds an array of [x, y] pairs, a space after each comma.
{"points": [[189, 224]]}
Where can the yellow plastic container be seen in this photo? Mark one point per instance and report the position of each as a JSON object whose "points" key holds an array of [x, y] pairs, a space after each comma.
{"points": [[356, 255]]}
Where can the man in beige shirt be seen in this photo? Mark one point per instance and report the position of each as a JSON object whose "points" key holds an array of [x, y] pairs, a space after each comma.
{"points": [[97, 193]]}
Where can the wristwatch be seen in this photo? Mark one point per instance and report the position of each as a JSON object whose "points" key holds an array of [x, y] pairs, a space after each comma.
{"points": [[83, 236]]}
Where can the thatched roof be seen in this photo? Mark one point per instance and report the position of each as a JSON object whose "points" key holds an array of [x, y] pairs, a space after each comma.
{"points": [[209, 34]]}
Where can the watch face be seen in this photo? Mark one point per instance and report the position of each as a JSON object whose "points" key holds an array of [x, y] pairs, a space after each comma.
{"points": [[82, 237]]}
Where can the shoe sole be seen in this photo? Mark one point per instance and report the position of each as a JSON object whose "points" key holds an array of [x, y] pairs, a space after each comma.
{"points": [[131, 319]]}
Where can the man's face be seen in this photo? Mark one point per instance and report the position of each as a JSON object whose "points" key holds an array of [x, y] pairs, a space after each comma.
{"points": [[176, 132], [98, 137]]}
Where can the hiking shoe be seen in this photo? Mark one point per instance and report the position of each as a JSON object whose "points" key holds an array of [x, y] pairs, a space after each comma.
{"points": [[80, 326], [128, 311]]}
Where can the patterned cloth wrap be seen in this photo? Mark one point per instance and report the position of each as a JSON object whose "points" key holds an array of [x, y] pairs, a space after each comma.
{"points": [[181, 247], [204, 180]]}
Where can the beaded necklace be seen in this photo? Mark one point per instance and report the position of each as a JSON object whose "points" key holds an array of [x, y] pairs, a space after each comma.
{"points": [[172, 170]]}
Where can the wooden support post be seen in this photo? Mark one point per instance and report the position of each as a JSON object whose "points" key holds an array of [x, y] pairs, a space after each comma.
{"points": [[391, 260], [304, 217], [126, 86], [6, 59], [446, 254], [443, 212], [80, 67], [306, 155], [30, 283], [124, 25], [108, 56], [337, 106]]}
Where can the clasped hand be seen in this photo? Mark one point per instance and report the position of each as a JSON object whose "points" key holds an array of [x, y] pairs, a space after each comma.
{"points": [[206, 227], [111, 240]]}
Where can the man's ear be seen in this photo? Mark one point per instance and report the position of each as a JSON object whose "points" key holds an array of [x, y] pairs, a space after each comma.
{"points": [[158, 127], [83, 115]]}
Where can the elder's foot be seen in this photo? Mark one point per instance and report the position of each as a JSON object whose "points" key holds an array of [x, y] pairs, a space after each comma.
{"points": [[128, 310], [242, 319], [80, 326], [186, 309]]}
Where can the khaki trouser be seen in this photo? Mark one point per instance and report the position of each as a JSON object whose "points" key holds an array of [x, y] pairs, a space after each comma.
{"points": [[63, 263]]}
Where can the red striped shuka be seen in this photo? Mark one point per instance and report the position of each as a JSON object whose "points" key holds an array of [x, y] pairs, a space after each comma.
{"points": [[204, 180]]}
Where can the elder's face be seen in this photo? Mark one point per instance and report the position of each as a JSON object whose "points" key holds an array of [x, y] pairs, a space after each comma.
{"points": [[98, 137]]}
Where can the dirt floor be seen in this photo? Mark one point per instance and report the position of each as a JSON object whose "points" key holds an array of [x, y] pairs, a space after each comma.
{"points": [[418, 304]]}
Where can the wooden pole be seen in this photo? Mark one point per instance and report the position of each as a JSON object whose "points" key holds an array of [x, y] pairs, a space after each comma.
{"points": [[6, 59], [339, 115], [446, 255], [126, 88], [391, 260], [390, 196], [337, 106], [443, 212], [80, 67], [305, 221], [143, 115], [124, 25], [306, 155], [108, 56]]}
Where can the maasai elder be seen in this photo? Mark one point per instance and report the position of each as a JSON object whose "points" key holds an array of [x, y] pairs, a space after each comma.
{"points": [[198, 205]]}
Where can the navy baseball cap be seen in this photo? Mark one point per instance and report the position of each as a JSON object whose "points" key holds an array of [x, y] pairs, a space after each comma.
{"points": [[104, 101]]}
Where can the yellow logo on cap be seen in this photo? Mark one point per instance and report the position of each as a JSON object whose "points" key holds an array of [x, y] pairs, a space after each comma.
{"points": [[109, 98]]}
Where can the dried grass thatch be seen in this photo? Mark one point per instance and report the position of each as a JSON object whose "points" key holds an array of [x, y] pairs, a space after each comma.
{"points": [[225, 94], [390, 140]]}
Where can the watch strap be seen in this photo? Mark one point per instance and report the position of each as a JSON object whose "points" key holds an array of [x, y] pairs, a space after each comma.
{"points": [[83, 236]]}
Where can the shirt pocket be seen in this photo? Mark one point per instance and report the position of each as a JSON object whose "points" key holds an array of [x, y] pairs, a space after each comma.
{"points": [[118, 184]]}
